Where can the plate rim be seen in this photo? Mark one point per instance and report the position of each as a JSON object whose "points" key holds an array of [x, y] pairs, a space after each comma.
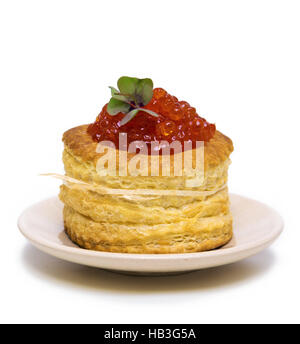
{"points": [[266, 239]]}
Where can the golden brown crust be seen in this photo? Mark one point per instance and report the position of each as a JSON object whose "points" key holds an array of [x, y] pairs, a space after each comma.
{"points": [[80, 143]]}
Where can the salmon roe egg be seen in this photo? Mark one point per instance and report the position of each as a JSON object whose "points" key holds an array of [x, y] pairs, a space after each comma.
{"points": [[166, 128]]}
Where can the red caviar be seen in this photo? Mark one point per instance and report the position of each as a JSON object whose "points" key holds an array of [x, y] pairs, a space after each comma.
{"points": [[177, 121]]}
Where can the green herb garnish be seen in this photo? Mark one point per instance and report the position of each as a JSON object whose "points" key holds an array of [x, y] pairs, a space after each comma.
{"points": [[132, 95]]}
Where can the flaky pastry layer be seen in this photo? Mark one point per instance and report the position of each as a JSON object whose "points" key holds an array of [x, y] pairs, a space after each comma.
{"points": [[113, 209]]}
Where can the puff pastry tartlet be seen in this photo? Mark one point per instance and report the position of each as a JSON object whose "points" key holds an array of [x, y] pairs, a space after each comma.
{"points": [[145, 223]]}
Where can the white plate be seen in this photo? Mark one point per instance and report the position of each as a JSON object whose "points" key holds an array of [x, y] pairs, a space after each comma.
{"points": [[256, 226]]}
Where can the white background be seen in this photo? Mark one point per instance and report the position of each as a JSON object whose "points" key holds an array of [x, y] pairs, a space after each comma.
{"points": [[237, 62]]}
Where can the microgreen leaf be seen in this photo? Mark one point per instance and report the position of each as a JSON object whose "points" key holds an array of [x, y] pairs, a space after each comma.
{"points": [[120, 97], [113, 90], [117, 95], [115, 106], [127, 85], [129, 116], [144, 91]]}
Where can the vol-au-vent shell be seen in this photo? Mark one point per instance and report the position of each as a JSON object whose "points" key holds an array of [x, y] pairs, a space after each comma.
{"points": [[145, 224]]}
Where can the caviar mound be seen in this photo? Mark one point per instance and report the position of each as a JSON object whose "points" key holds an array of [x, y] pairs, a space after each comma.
{"points": [[177, 121]]}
